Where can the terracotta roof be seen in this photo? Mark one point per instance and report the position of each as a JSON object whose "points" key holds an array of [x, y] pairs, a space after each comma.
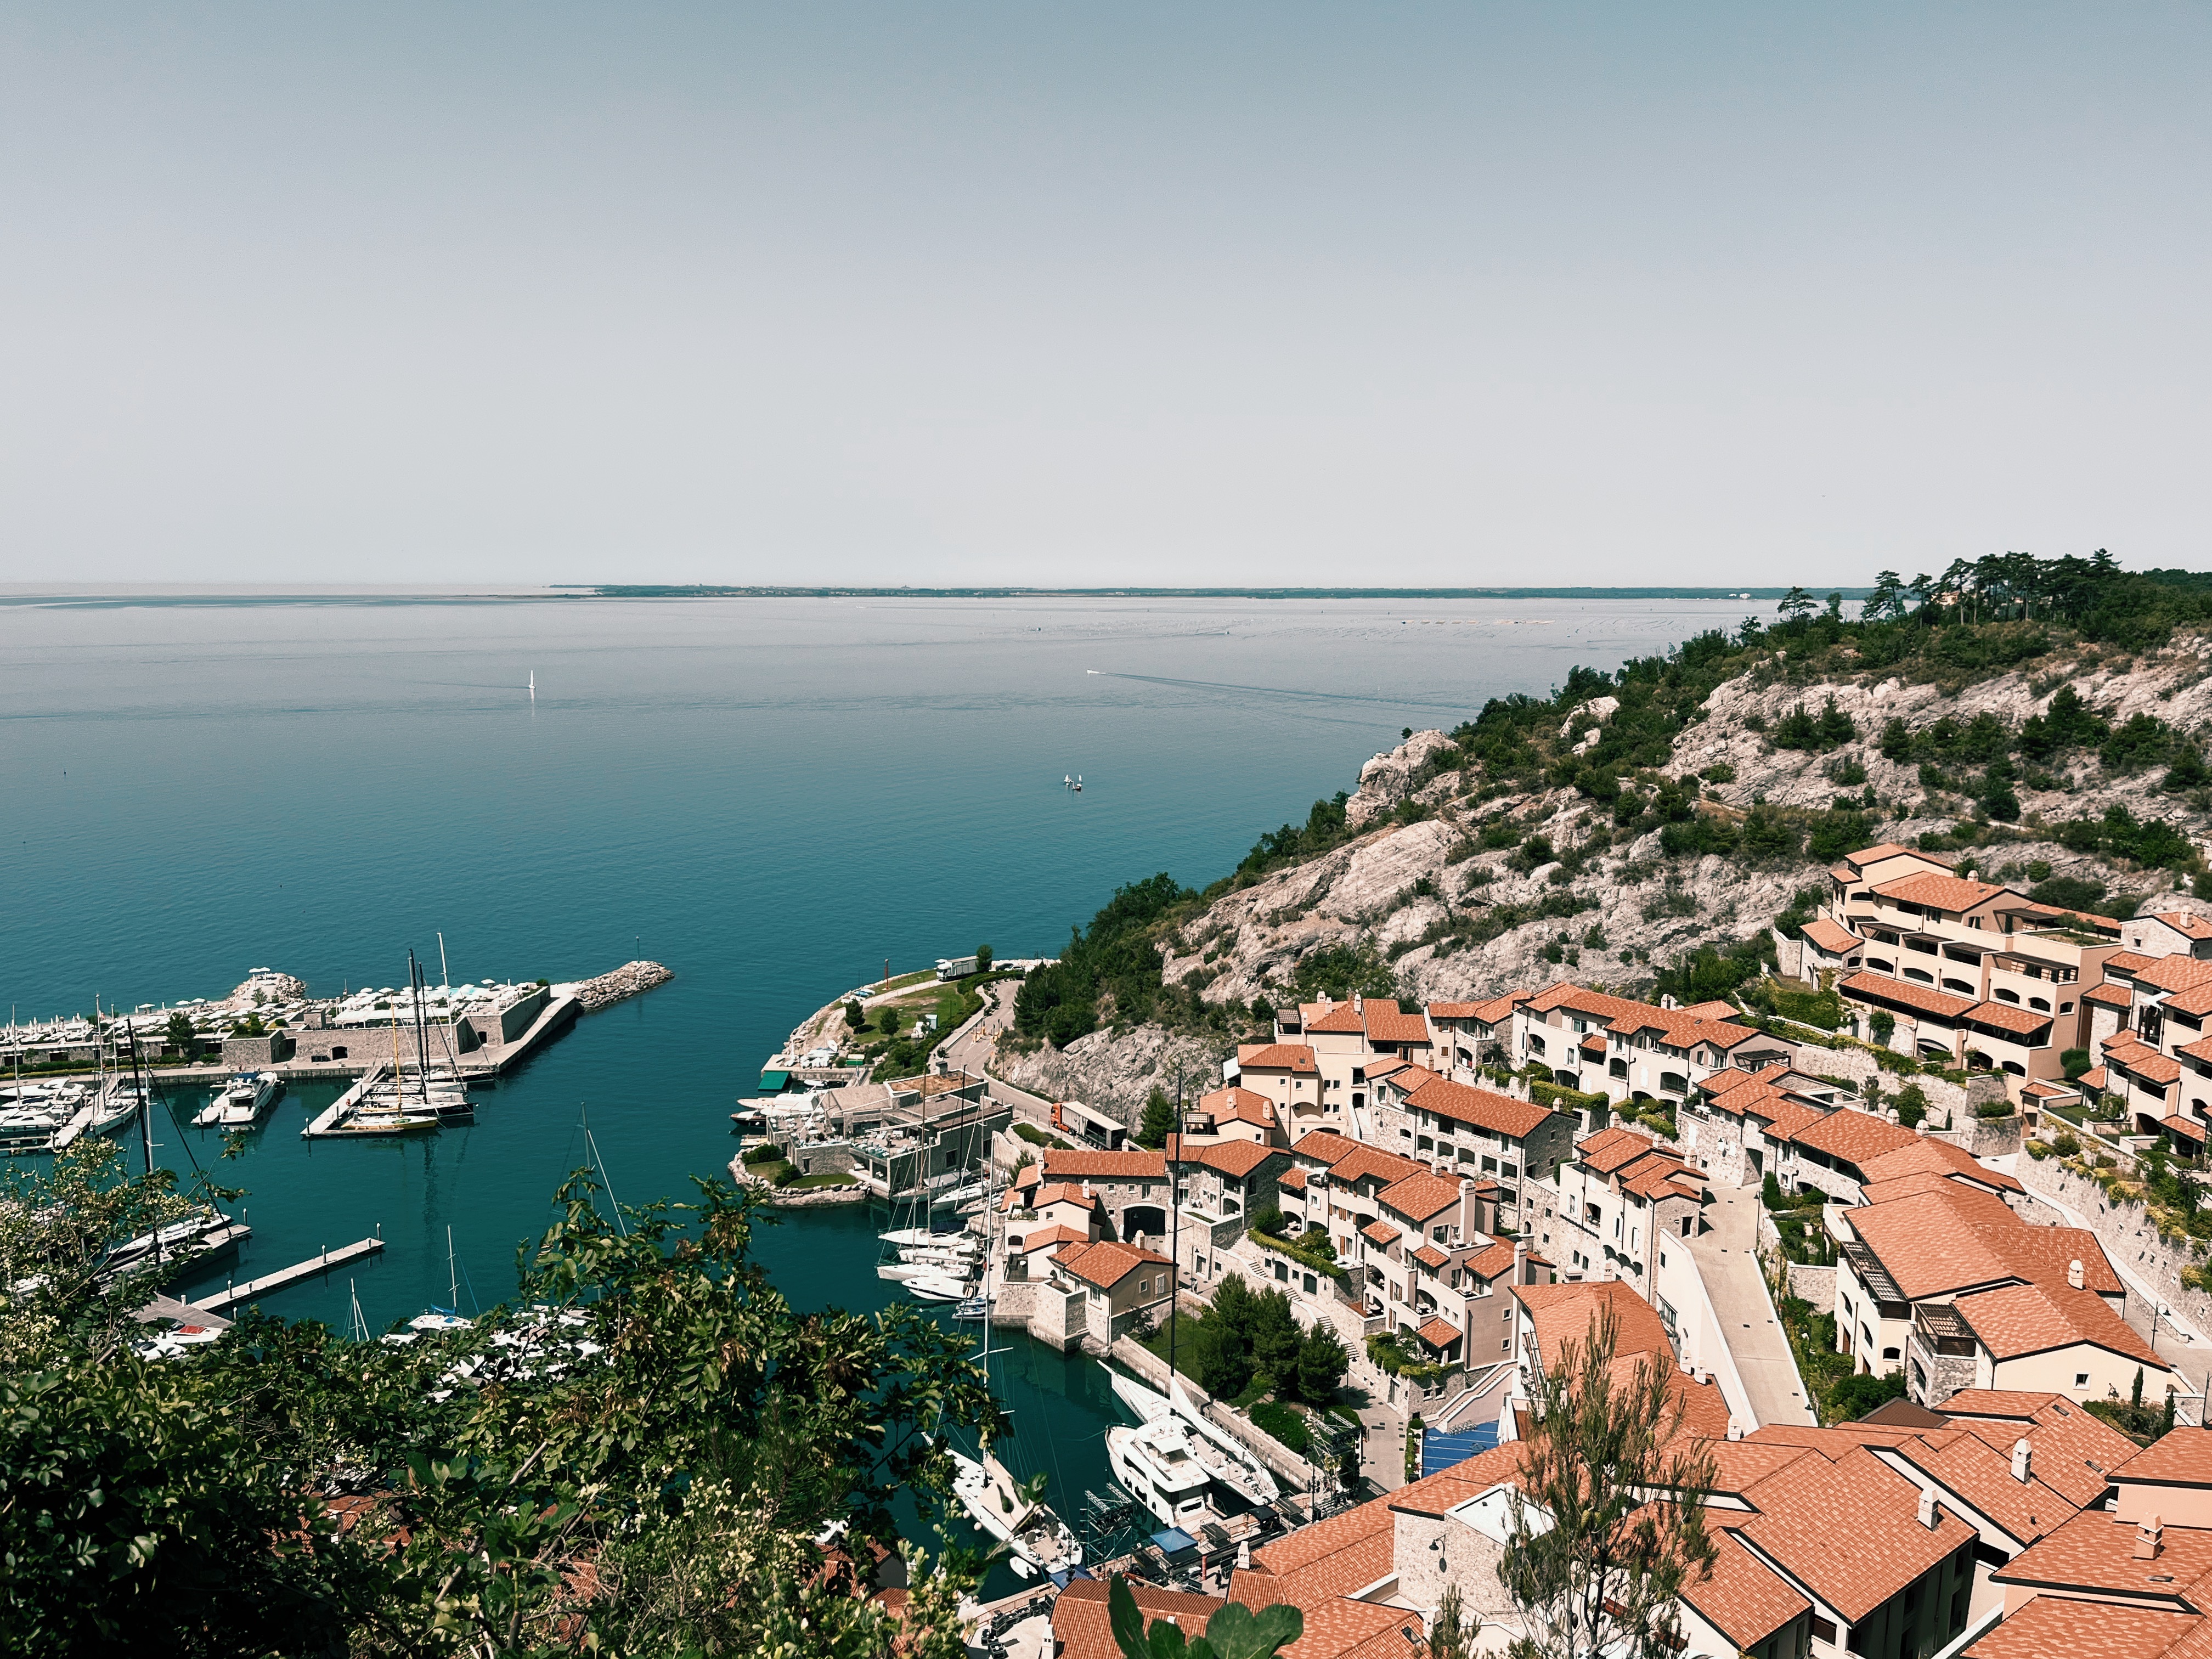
{"points": [[2183, 923], [1081, 1164], [1592, 1043], [2181, 1457], [1349, 1160], [1835, 940], [1720, 1082], [1431, 1258], [1336, 1019], [1239, 1103], [1855, 1137], [1928, 1155], [1890, 849], [2053, 1625], [1490, 1014], [1066, 1192], [1107, 1264], [1609, 1149], [1276, 1057], [1850, 1529], [1565, 1314], [1419, 1197], [2192, 1128], [1494, 1262], [1714, 1010], [1918, 997], [1661, 1175], [1742, 1597], [2074, 1452], [1085, 1630], [1482, 1108], [1784, 1118], [1439, 1493], [2016, 1320], [2023, 1022], [1935, 892], [2133, 1055], [1388, 1022], [1232, 1158], [2042, 1089], [1438, 1334], [2175, 973], [1294, 1179], [2197, 1000], [1325, 1538], [1680, 1027], [2112, 996], [1043, 1238], [1380, 1232], [2092, 1552], [1982, 1476], [2127, 962]]}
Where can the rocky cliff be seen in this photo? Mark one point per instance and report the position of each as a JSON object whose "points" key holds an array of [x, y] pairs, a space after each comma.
{"points": [[1460, 884]]}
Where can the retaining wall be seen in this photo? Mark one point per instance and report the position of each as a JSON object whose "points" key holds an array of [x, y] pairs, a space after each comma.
{"points": [[2125, 1232]]}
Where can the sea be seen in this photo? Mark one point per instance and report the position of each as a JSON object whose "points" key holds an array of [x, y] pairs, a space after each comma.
{"points": [[779, 798]]}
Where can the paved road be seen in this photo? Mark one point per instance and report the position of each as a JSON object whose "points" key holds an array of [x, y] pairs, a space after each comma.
{"points": [[1728, 1261]]}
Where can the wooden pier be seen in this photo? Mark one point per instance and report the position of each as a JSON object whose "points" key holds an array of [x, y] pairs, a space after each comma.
{"points": [[236, 1294], [343, 1106]]}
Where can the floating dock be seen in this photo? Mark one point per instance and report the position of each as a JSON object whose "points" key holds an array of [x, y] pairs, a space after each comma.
{"points": [[344, 1106], [238, 1293]]}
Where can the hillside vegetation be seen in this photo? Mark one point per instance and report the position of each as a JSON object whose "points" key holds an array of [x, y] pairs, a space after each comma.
{"points": [[2037, 720]]}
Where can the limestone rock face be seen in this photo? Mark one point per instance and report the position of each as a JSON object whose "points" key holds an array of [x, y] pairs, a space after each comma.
{"points": [[1397, 885], [1388, 779]]}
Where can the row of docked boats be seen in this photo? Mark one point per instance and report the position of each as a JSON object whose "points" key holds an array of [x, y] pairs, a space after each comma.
{"points": [[933, 1267]]}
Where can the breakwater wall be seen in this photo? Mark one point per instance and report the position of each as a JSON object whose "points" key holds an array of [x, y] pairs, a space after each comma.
{"points": [[631, 979]]}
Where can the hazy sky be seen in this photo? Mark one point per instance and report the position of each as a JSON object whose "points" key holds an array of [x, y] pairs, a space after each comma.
{"points": [[1062, 295]]}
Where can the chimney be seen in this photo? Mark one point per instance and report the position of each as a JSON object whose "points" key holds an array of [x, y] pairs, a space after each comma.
{"points": [[2150, 1540], [1359, 1004], [1244, 1555], [1735, 1430], [2074, 1272], [1929, 1514], [2022, 1452], [1521, 1262]]}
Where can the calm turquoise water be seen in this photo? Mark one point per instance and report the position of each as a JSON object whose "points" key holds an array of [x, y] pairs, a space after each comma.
{"points": [[771, 797]]}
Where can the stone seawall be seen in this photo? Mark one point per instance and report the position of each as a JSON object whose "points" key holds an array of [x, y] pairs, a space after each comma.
{"points": [[631, 979]]}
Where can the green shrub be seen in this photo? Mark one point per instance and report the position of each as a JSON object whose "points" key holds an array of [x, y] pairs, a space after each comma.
{"points": [[2066, 1144], [2038, 1151], [1994, 1109], [1273, 1417], [767, 1152]]}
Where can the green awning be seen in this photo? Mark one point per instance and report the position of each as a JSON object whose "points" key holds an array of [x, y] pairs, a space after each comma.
{"points": [[775, 1083]]}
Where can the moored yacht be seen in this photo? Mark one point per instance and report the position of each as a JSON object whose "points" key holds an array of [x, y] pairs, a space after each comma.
{"points": [[1039, 1540]]}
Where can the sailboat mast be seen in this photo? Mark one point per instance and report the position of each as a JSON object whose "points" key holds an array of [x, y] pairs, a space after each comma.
{"points": [[145, 1134], [421, 1047], [452, 1273]]}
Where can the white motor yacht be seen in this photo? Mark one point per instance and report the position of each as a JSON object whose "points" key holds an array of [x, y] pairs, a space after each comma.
{"points": [[240, 1103], [936, 1288]]}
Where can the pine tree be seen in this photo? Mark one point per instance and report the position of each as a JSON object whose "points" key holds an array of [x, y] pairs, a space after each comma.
{"points": [[1594, 1564], [1158, 1122]]}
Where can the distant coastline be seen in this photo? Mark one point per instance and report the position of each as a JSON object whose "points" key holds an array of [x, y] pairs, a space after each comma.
{"points": [[697, 591]]}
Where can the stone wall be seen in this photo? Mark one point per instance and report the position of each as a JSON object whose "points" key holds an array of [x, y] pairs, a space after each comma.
{"points": [[2124, 1230], [1947, 1101], [1814, 1284]]}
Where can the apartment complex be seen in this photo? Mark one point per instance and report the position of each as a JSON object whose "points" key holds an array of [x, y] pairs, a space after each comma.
{"points": [[1892, 1537]]}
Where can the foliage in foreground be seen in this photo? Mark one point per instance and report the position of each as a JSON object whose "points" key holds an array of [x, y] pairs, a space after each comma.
{"points": [[1593, 1562], [649, 1477]]}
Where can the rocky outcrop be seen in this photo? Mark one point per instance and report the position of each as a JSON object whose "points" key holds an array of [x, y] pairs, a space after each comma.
{"points": [[631, 979], [1114, 1073], [1456, 921], [1389, 779]]}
